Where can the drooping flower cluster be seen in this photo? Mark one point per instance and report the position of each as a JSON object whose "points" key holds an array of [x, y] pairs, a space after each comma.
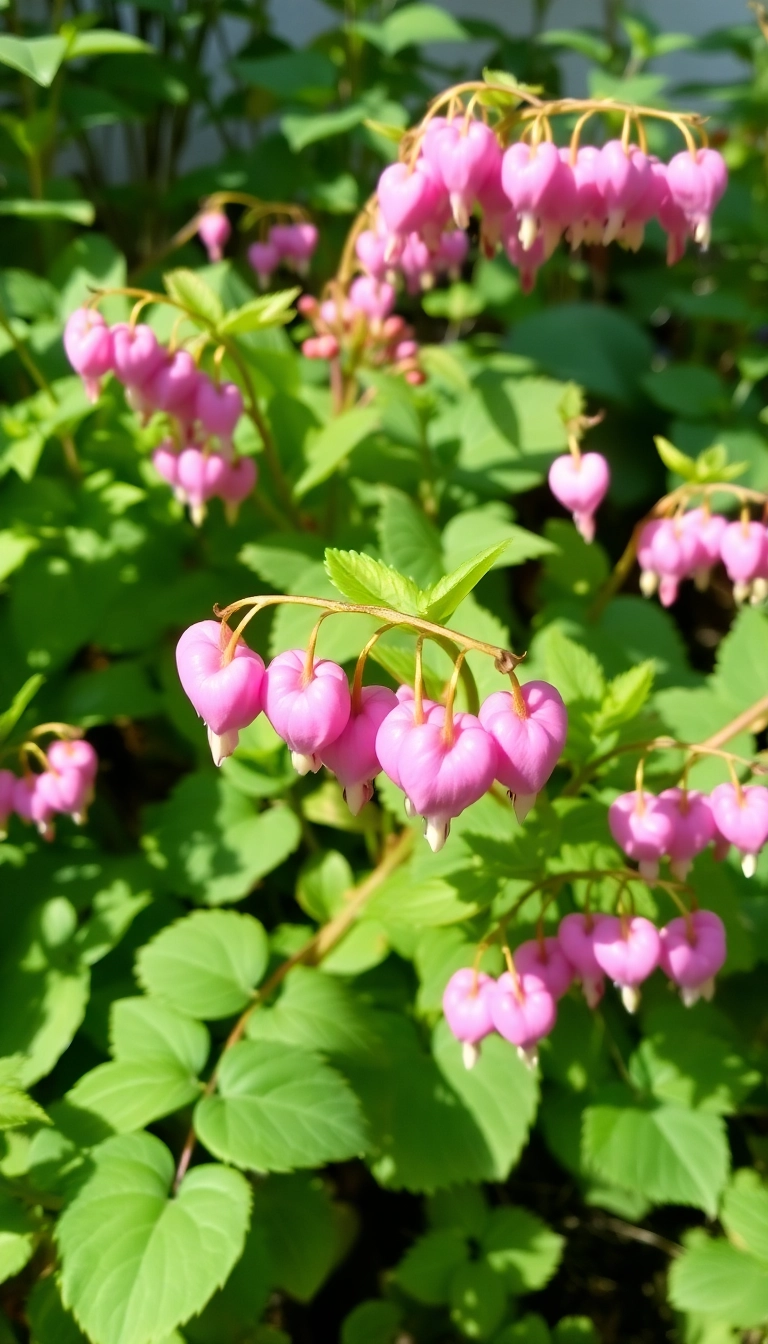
{"points": [[363, 326], [198, 459], [65, 786], [679, 823], [521, 1005], [418, 265], [690, 544], [443, 761], [532, 194], [288, 245]]}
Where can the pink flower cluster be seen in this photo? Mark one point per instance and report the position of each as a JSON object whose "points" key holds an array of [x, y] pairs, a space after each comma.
{"points": [[65, 786], [690, 544], [289, 245], [530, 196], [522, 1004], [442, 761], [580, 485], [418, 264], [198, 460], [679, 823], [363, 325]]}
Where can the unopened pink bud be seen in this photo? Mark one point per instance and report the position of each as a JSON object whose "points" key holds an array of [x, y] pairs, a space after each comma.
{"points": [[370, 249], [88, 345], [295, 243], [77, 755], [307, 305], [213, 230], [406, 350], [308, 711], [415, 377], [375, 299]]}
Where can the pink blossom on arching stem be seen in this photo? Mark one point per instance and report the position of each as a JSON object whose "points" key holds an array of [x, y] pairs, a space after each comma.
{"points": [[576, 937], [707, 529], [227, 695], [75, 754], [741, 817], [529, 745], [375, 299], [443, 771], [409, 201], [527, 260], [213, 230], [628, 950], [308, 710], [465, 154], [137, 353], [88, 346], [692, 952], [218, 407], [523, 1012], [649, 579], [264, 258], [165, 460], [174, 384], [236, 484], [394, 730], [696, 183], [580, 485], [542, 192], [295, 244], [693, 827], [352, 755], [370, 250], [674, 555], [623, 175], [544, 959], [467, 1010], [198, 478], [743, 550], [589, 209], [451, 253], [643, 829]]}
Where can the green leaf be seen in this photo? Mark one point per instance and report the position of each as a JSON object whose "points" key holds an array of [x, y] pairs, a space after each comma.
{"points": [[191, 291], [442, 599], [522, 1249], [686, 389], [143, 1029], [318, 1012], [370, 582], [306, 128], [207, 964], [428, 1267], [129, 1094], [671, 1155], [674, 460], [323, 880], [268, 310], [690, 1064], [716, 1279], [37, 57], [744, 1213], [478, 1300], [587, 44], [21, 699], [373, 1322], [288, 74], [48, 1321], [500, 1093], [333, 444], [14, 549], [625, 696], [105, 42], [77, 212], [409, 540], [278, 1108], [17, 1108], [413, 25], [300, 1229], [161, 1258], [242, 1298], [19, 1233], [598, 347], [573, 669], [209, 842], [574, 1330], [492, 523]]}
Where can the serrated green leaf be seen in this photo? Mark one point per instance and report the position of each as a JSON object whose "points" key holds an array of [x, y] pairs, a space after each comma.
{"points": [[143, 1029], [477, 1300], [671, 1155], [716, 1279], [278, 1108], [19, 1233], [318, 1012], [442, 599], [130, 1094], [572, 404], [573, 669], [368, 582], [268, 310], [333, 444], [300, 1229], [161, 1258], [674, 460], [191, 291], [389, 132], [409, 540], [306, 128], [744, 1213], [373, 1322], [206, 965], [522, 1249], [426, 1270], [625, 696]]}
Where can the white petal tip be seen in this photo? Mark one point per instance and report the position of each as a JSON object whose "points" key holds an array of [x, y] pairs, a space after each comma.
{"points": [[436, 832], [222, 744], [469, 1054], [305, 765], [529, 1057], [749, 865], [523, 803], [630, 997]]}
